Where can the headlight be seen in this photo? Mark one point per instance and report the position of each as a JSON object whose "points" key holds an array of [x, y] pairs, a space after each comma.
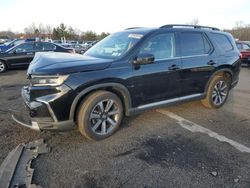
{"points": [[48, 80]]}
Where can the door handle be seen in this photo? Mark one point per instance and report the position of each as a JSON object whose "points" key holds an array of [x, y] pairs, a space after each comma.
{"points": [[211, 62], [174, 67], [29, 53]]}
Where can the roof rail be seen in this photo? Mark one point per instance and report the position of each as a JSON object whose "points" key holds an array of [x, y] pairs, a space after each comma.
{"points": [[133, 28], [192, 26]]}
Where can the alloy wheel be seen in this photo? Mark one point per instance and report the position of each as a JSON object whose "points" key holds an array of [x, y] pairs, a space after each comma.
{"points": [[2, 67], [104, 117], [220, 93]]}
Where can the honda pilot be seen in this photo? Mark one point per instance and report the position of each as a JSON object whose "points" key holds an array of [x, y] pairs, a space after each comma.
{"points": [[129, 72]]}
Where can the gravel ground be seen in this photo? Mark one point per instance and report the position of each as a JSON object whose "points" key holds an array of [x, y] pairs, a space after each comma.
{"points": [[150, 150]]}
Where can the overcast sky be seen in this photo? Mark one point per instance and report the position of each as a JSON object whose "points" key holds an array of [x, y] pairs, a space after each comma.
{"points": [[115, 15]]}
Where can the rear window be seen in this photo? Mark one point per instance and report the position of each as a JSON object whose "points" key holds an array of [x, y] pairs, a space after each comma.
{"points": [[194, 44], [48, 47], [245, 47], [239, 46], [222, 41]]}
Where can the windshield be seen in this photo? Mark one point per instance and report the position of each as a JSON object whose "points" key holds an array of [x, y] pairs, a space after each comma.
{"points": [[114, 46], [14, 42]]}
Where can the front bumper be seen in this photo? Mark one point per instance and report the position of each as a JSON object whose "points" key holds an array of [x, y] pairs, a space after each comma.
{"points": [[40, 114]]}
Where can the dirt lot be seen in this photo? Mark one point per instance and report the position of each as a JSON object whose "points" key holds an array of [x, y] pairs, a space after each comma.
{"points": [[182, 146]]}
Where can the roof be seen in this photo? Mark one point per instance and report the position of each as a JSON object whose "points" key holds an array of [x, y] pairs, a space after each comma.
{"points": [[175, 27]]}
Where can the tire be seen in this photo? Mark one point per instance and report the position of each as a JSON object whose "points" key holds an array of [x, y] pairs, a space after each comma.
{"points": [[2, 67], [217, 93], [99, 115]]}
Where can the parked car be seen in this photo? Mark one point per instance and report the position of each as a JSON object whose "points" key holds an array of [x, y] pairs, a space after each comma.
{"points": [[247, 42], [127, 73], [244, 49], [77, 47], [21, 55], [91, 44], [88, 44], [57, 41], [4, 47], [2, 41]]}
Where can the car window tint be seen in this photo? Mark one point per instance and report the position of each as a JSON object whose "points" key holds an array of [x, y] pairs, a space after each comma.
{"points": [[193, 44], [161, 46], [245, 47], [17, 42], [48, 47], [207, 45], [222, 41], [38, 47], [25, 48], [239, 46]]}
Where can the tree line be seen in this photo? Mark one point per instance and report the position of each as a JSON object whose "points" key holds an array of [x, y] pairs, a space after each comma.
{"points": [[56, 33], [241, 31]]}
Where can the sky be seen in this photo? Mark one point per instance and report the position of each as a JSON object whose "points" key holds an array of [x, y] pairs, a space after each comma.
{"points": [[115, 15]]}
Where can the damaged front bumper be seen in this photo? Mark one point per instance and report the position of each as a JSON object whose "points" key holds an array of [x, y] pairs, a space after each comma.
{"points": [[45, 109]]}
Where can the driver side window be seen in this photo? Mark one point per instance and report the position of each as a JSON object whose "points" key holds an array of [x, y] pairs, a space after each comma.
{"points": [[24, 48], [162, 46]]}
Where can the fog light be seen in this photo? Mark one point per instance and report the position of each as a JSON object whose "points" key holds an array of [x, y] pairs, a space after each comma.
{"points": [[35, 104], [33, 113]]}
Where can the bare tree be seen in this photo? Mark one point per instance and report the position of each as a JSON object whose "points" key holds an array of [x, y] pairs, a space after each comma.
{"points": [[49, 30], [42, 30], [239, 24], [241, 31], [31, 30], [195, 21]]}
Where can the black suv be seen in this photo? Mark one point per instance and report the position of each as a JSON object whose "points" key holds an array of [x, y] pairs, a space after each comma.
{"points": [[129, 72]]}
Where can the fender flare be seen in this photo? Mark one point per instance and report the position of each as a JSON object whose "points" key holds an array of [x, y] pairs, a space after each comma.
{"points": [[126, 98]]}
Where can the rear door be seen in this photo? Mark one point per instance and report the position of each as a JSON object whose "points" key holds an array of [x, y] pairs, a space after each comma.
{"points": [[198, 62], [22, 55]]}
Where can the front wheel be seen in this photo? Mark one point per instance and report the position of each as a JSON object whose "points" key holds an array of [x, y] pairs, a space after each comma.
{"points": [[99, 115], [2, 67], [217, 92]]}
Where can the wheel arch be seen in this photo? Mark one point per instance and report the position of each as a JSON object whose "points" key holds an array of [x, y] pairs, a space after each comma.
{"points": [[120, 90], [4, 61], [226, 72]]}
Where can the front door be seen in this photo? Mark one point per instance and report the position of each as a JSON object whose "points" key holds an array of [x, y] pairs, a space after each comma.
{"points": [[22, 55], [160, 80]]}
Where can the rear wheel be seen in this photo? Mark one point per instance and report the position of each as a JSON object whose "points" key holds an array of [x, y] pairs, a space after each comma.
{"points": [[217, 92], [2, 67], [99, 115]]}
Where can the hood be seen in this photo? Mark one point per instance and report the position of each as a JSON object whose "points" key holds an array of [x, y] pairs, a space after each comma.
{"points": [[64, 63]]}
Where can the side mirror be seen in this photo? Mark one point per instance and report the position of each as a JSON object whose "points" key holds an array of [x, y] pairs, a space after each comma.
{"points": [[143, 59]]}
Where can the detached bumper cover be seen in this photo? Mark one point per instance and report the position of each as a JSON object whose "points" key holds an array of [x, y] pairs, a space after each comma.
{"points": [[33, 125]]}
